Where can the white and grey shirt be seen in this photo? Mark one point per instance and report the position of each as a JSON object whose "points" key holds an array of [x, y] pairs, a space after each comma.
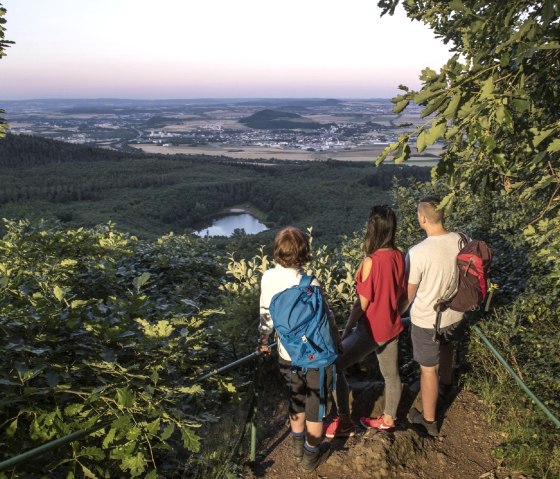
{"points": [[274, 281]]}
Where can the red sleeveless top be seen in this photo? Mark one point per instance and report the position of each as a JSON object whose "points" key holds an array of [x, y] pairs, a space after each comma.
{"points": [[383, 287]]}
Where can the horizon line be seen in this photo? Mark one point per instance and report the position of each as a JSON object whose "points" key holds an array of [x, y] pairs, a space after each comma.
{"points": [[199, 98]]}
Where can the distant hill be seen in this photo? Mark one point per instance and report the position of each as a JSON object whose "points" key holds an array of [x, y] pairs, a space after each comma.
{"points": [[281, 103], [278, 120], [27, 151], [161, 121]]}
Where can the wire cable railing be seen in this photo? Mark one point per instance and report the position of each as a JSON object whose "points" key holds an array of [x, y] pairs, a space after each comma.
{"points": [[252, 410], [78, 435], [518, 380]]}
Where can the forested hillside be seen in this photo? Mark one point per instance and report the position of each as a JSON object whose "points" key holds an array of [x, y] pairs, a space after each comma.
{"points": [[151, 195], [276, 120]]}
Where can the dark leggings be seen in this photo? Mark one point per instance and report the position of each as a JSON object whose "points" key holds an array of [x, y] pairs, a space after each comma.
{"points": [[357, 346]]}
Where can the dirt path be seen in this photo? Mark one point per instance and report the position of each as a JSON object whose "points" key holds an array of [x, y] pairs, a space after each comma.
{"points": [[462, 450]]}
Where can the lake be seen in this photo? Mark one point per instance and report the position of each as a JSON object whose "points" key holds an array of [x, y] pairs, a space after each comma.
{"points": [[226, 225]]}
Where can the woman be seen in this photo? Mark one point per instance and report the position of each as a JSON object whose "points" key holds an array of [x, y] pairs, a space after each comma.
{"points": [[291, 253], [380, 284]]}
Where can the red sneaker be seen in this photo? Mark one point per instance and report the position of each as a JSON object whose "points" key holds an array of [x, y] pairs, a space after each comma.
{"points": [[336, 429], [376, 423]]}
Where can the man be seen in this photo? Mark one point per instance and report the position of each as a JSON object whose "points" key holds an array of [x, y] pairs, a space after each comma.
{"points": [[432, 274]]}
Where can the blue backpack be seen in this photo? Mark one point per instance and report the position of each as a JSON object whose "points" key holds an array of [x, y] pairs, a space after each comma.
{"points": [[299, 317]]}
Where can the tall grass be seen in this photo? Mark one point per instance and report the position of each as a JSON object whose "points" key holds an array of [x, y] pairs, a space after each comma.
{"points": [[528, 440]]}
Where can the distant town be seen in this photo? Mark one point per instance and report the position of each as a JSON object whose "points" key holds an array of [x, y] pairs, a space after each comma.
{"points": [[268, 128]]}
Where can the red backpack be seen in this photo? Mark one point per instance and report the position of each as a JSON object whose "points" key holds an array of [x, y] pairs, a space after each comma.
{"points": [[473, 269]]}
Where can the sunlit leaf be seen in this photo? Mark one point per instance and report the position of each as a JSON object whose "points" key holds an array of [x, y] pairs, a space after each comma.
{"points": [[58, 293], [196, 389], [167, 432], [140, 281], [124, 397], [135, 464], [191, 441]]}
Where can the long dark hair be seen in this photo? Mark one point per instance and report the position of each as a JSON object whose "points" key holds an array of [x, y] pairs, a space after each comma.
{"points": [[381, 229]]}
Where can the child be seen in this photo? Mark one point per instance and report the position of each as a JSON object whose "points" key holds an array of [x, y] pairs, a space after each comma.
{"points": [[291, 252], [380, 284]]}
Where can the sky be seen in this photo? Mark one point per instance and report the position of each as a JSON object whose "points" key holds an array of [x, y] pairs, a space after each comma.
{"points": [[171, 49]]}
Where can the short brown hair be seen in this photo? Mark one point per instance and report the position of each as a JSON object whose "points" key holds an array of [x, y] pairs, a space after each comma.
{"points": [[428, 206], [291, 248]]}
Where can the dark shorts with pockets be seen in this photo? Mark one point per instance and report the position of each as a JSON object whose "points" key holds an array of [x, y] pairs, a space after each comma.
{"points": [[424, 349], [304, 390]]}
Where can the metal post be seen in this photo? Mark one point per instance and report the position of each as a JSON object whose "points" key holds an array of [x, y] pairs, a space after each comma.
{"points": [[253, 450]]}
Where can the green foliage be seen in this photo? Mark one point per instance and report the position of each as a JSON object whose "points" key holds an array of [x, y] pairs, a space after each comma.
{"points": [[495, 105], [98, 326], [526, 438], [523, 325]]}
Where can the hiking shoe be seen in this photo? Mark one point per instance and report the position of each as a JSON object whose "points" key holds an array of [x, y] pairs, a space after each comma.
{"points": [[297, 443], [416, 418], [336, 429], [376, 423], [312, 460]]}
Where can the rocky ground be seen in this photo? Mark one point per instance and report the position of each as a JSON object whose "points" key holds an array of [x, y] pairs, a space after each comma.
{"points": [[463, 449]]}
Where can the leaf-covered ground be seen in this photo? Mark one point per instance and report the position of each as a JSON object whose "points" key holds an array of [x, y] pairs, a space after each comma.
{"points": [[463, 449]]}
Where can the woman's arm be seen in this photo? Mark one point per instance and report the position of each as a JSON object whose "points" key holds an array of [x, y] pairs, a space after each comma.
{"points": [[332, 322], [361, 303]]}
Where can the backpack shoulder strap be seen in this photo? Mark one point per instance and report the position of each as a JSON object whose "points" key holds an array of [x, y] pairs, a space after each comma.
{"points": [[464, 240], [306, 280]]}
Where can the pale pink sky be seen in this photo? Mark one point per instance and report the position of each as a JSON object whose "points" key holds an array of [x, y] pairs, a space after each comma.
{"points": [[211, 48]]}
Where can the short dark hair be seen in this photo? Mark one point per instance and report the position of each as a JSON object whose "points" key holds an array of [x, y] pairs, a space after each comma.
{"points": [[380, 230], [429, 208], [291, 248]]}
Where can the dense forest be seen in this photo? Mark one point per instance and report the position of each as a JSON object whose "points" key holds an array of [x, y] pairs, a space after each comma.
{"points": [[151, 195]]}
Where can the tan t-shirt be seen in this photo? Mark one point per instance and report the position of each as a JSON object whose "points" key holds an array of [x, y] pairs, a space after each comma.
{"points": [[431, 264]]}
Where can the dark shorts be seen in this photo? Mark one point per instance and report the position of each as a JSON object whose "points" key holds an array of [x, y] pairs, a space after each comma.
{"points": [[424, 349], [304, 390]]}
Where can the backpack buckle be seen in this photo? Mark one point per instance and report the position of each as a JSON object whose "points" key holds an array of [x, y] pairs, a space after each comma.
{"points": [[304, 339]]}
